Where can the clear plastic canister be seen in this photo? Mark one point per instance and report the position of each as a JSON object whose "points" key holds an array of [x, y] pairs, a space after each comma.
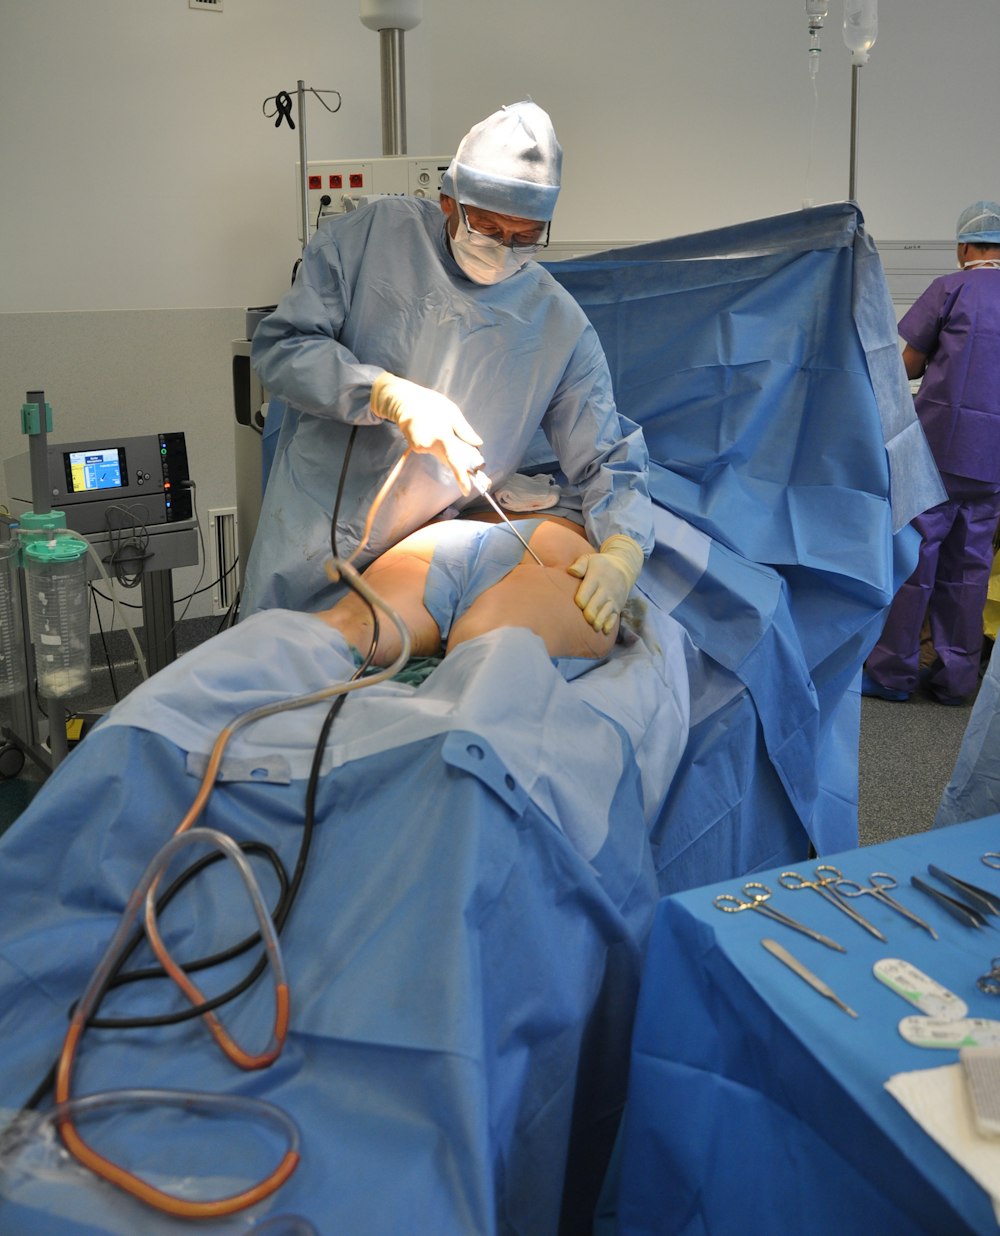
{"points": [[59, 612], [13, 674]]}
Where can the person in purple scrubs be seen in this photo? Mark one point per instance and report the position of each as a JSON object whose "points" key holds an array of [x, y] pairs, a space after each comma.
{"points": [[952, 338]]}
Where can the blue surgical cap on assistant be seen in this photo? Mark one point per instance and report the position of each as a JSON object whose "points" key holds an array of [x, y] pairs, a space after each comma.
{"points": [[979, 224], [510, 163]]}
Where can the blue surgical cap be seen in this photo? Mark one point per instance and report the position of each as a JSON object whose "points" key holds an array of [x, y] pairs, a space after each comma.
{"points": [[510, 163], [979, 224]]}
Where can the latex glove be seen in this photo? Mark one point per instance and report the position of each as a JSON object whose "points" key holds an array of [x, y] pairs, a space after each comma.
{"points": [[431, 424], [608, 577]]}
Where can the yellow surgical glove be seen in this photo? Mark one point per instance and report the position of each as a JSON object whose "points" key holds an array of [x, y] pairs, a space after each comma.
{"points": [[431, 424], [608, 577]]}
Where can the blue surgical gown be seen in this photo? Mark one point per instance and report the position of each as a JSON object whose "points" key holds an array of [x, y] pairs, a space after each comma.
{"points": [[378, 290]]}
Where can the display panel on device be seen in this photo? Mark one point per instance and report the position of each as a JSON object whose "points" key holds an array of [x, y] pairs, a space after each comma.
{"points": [[100, 468]]}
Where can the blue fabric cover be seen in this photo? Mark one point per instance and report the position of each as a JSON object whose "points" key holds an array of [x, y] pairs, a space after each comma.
{"points": [[762, 365], [973, 790], [465, 953], [467, 937], [752, 1095]]}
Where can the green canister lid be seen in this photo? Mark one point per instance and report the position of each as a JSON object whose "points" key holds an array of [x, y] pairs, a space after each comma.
{"points": [[31, 521], [59, 549]]}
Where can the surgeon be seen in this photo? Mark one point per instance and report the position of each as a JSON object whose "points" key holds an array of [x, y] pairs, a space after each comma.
{"points": [[952, 340], [427, 329]]}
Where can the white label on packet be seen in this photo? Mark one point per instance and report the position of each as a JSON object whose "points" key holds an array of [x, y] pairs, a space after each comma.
{"points": [[920, 990], [937, 1032]]}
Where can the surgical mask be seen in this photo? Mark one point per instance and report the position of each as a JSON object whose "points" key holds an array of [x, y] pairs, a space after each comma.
{"points": [[490, 263]]}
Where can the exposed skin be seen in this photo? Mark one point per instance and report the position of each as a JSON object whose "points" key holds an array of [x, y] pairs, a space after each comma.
{"points": [[489, 223], [539, 598]]}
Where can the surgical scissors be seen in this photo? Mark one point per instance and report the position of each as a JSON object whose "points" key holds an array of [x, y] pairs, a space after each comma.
{"points": [[879, 882], [826, 876], [758, 893]]}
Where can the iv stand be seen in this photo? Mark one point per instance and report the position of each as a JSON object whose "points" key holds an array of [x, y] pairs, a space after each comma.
{"points": [[303, 163]]}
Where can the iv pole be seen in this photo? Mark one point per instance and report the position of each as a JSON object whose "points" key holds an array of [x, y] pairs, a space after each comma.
{"points": [[860, 33], [853, 175]]}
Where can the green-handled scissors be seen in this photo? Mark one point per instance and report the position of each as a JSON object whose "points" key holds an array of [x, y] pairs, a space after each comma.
{"points": [[826, 877], [758, 894], [879, 882]]}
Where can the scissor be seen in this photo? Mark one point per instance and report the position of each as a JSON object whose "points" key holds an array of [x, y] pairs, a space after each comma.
{"points": [[879, 882], [758, 893], [826, 876], [992, 859], [990, 983]]}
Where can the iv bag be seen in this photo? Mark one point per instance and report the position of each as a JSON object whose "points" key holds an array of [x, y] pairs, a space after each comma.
{"points": [[816, 11], [860, 28]]}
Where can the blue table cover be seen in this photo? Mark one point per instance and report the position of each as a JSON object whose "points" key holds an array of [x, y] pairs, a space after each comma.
{"points": [[755, 1100]]}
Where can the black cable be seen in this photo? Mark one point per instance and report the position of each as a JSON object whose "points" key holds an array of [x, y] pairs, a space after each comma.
{"points": [[177, 600], [340, 491], [94, 594]]}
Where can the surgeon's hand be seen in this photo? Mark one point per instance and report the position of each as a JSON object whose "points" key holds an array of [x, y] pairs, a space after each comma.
{"points": [[607, 578], [431, 424]]}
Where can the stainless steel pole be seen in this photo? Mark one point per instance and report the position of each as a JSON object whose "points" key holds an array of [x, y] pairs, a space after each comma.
{"points": [[392, 62], [41, 497], [303, 162], [852, 191]]}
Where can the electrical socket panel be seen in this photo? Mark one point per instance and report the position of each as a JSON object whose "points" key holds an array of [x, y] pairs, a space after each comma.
{"points": [[348, 183]]}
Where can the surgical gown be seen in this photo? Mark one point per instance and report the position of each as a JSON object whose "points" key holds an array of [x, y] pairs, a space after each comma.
{"points": [[378, 290]]}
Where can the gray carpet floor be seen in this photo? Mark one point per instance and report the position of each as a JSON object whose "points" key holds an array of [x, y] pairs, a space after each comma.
{"points": [[905, 760]]}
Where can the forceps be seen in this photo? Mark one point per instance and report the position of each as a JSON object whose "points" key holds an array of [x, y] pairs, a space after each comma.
{"points": [[825, 875], [879, 882], [758, 893]]}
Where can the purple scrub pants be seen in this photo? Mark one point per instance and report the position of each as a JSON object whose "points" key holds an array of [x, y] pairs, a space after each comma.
{"points": [[948, 587]]}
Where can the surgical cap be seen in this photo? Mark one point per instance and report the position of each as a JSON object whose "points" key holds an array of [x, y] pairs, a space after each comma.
{"points": [[979, 224], [509, 163]]}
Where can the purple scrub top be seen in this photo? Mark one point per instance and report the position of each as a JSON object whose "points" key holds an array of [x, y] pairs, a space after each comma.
{"points": [[956, 322]]}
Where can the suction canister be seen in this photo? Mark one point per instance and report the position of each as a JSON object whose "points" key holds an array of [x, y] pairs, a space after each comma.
{"points": [[59, 611]]}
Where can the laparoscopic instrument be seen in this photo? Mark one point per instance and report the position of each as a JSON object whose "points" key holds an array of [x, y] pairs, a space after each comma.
{"points": [[825, 878], [754, 896], [482, 483], [879, 883]]}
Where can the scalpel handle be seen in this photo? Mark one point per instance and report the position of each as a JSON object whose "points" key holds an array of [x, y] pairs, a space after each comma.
{"points": [[782, 954]]}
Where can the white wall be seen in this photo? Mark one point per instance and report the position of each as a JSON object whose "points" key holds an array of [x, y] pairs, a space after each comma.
{"points": [[138, 174], [681, 115]]}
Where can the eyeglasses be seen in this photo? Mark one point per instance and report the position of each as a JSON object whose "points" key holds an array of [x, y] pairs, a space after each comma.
{"points": [[524, 243]]}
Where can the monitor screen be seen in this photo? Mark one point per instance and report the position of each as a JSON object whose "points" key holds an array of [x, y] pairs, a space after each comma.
{"points": [[100, 468]]}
